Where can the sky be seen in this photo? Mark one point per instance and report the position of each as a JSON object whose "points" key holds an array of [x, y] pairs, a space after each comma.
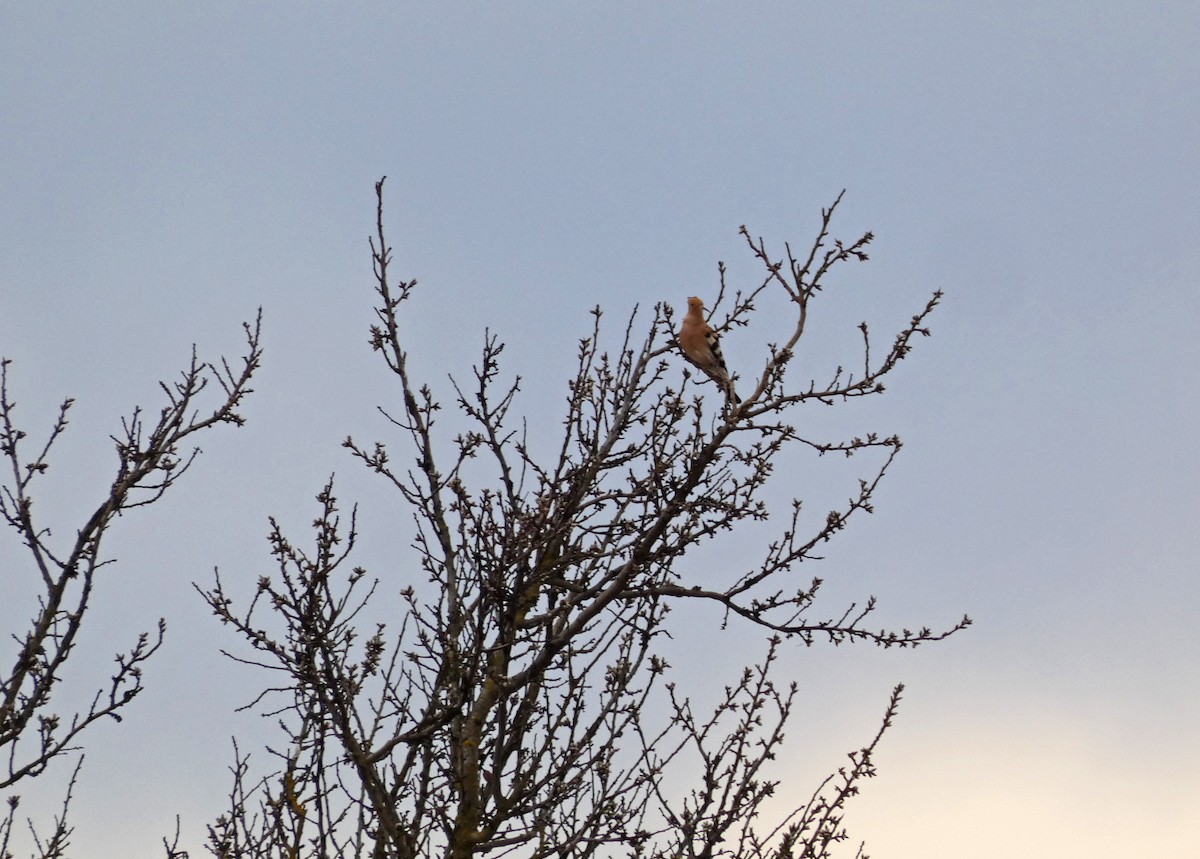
{"points": [[167, 169]]}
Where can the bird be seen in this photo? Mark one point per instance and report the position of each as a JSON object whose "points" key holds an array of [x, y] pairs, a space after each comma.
{"points": [[700, 345]]}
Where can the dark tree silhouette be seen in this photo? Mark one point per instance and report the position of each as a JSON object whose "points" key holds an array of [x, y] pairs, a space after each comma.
{"points": [[515, 704], [152, 454]]}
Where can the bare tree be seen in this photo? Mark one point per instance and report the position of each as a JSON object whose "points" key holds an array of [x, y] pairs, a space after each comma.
{"points": [[515, 704], [151, 456]]}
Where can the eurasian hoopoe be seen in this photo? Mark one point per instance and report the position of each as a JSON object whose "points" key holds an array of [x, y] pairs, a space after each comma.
{"points": [[702, 347]]}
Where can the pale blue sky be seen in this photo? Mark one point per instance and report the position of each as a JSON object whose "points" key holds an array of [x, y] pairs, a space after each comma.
{"points": [[164, 170]]}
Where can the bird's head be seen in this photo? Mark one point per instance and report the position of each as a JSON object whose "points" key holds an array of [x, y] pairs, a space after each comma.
{"points": [[695, 304]]}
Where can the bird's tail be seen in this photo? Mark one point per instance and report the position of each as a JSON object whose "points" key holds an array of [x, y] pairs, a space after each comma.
{"points": [[731, 397]]}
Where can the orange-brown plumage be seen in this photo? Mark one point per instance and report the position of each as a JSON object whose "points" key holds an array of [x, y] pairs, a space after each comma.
{"points": [[702, 347]]}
